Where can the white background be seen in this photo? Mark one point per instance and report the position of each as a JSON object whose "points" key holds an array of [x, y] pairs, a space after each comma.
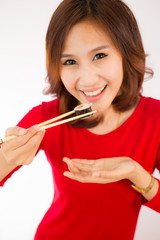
{"points": [[23, 24]]}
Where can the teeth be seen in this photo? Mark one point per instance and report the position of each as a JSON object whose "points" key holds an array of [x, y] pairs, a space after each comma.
{"points": [[94, 93]]}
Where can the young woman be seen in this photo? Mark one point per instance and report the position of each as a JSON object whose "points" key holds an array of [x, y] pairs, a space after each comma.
{"points": [[102, 166]]}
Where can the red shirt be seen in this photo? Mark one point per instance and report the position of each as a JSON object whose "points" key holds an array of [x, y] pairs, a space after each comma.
{"points": [[89, 211]]}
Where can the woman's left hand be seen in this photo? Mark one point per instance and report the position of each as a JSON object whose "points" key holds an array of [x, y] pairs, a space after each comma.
{"points": [[103, 170]]}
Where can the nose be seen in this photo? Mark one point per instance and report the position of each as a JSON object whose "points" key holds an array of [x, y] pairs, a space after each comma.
{"points": [[88, 76]]}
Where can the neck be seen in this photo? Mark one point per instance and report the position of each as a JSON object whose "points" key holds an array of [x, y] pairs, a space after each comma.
{"points": [[110, 122]]}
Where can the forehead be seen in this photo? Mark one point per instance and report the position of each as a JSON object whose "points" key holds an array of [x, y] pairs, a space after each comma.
{"points": [[88, 34]]}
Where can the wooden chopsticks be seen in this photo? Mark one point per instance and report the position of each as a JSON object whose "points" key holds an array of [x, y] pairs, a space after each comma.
{"points": [[55, 119], [53, 122]]}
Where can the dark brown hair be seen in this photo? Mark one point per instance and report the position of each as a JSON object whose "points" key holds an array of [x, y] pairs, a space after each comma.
{"points": [[115, 17]]}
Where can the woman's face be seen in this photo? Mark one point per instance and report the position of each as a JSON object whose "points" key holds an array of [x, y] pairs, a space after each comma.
{"points": [[91, 67]]}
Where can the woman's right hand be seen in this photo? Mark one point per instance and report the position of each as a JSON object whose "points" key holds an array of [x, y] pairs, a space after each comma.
{"points": [[22, 149]]}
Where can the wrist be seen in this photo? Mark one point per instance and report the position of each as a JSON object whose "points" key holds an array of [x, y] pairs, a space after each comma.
{"points": [[146, 183], [5, 167], [139, 176], [147, 189]]}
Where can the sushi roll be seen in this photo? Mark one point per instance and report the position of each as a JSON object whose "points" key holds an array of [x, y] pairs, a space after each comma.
{"points": [[83, 108]]}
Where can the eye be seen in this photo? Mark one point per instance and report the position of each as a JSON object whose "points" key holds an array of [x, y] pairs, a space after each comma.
{"points": [[99, 56], [69, 62]]}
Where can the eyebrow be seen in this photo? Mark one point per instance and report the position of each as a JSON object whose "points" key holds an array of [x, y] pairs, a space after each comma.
{"points": [[64, 55]]}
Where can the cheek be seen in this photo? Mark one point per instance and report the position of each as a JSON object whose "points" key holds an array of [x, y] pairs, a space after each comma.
{"points": [[67, 79], [115, 71], [119, 69]]}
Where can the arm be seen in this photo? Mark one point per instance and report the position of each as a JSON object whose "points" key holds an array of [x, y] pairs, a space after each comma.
{"points": [[143, 179], [5, 169], [109, 170], [19, 151]]}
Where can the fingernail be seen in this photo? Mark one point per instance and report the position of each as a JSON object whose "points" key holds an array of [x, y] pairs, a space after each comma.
{"points": [[76, 160], [65, 159], [36, 127], [65, 174], [96, 174], [22, 131]]}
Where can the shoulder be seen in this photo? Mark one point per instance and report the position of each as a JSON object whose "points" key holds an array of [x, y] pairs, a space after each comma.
{"points": [[50, 109], [40, 113], [151, 106], [149, 113]]}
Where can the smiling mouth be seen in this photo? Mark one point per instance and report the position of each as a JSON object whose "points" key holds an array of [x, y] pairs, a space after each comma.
{"points": [[94, 93]]}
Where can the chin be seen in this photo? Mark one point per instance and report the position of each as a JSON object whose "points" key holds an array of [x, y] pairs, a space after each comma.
{"points": [[101, 107]]}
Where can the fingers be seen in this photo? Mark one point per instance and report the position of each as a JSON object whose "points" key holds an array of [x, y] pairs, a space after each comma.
{"points": [[23, 135], [29, 150], [16, 131], [85, 165], [91, 171], [22, 149], [101, 170], [71, 166], [105, 174], [23, 139], [84, 161], [87, 179], [81, 169], [33, 143]]}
